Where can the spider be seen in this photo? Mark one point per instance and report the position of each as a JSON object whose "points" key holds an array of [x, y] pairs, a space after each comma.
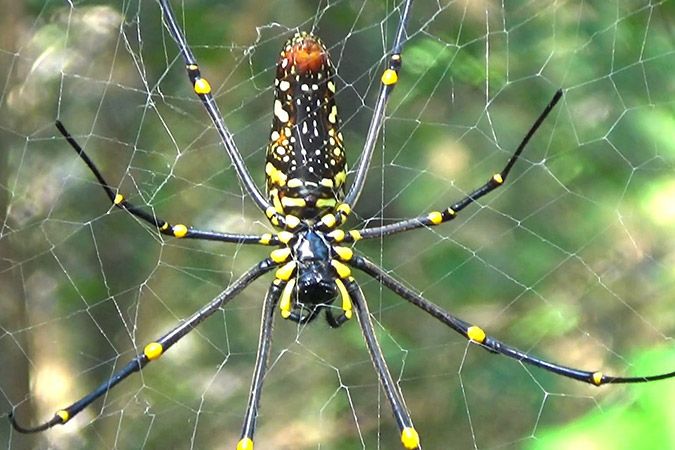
{"points": [[308, 202]]}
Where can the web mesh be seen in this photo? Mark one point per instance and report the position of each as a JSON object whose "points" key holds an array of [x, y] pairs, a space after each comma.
{"points": [[572, 260]]}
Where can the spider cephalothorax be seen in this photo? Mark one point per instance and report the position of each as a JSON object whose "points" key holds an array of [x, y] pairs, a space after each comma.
{"points": [[314, 280], [307, 204]]}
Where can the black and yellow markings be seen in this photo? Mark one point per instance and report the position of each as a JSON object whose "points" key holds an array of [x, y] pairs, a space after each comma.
{"points": [[275, 176], [63, 415], [326, 203], [337, 235], [280, 255], [342, 270], [343, 210], [329, 220], [345, 253], [153, 350], [390, 75], [438, 217], [285, 272], [201, 85], [409, 438], [285, 301], [295, 183], [497, 178], [295, 202], [292, 221], [285, 237], [340, 235], [276, 201], [179, 230], [476, 334], [119, 199], [272, 215], [340, 178], [347, 308], [435, 217], [275, 239]]}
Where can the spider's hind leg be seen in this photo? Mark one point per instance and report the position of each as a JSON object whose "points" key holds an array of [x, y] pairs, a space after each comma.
{"points": [[409, 437]]}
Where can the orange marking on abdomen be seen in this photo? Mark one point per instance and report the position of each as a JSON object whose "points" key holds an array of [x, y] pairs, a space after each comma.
{"points": [[307, 55]]}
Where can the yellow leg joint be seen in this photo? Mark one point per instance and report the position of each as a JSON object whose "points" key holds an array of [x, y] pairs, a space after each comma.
{"points": [[498, 178], [285, 301], [389, 77], [344, 208], [153, 350], [179, 230], [476, 334], [355, 234], [63, 415], [285, 272], [337, 235], [292, 221], [346, 299], [119, 198], [245, 444], [409, 438], [265, 239], [202, 86], [345, 253], [329, 220], [285, 237], [280, 255], [435, 217], [342, 270], [597, 378]]}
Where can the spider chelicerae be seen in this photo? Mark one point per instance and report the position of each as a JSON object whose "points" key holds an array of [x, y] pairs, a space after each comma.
{"points": [[308, 202]]}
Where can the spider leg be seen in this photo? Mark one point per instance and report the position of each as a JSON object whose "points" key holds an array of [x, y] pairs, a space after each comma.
{"points": [[388, 81], [203, 90], [438, 217], [477, 335], [409, 437], [164, 227], [261, 361], [152, 350]]}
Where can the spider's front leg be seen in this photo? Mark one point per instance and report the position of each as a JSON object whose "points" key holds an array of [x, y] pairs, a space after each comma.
{"points": [[438, 217], [164, 227], [202, 88]]}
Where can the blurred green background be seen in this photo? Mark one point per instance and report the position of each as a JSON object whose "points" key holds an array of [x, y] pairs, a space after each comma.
{"points": [[572, 260]]}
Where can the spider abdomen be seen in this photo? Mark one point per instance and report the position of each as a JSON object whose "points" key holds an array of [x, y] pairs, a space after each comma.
{"points": [[306, 166]]}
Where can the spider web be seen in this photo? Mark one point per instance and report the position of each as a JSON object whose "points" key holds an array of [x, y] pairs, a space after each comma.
{"points": [[572, 260]]}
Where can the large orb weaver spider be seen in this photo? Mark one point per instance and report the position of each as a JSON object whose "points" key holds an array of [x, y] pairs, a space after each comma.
{"points": [[308, 202]]}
